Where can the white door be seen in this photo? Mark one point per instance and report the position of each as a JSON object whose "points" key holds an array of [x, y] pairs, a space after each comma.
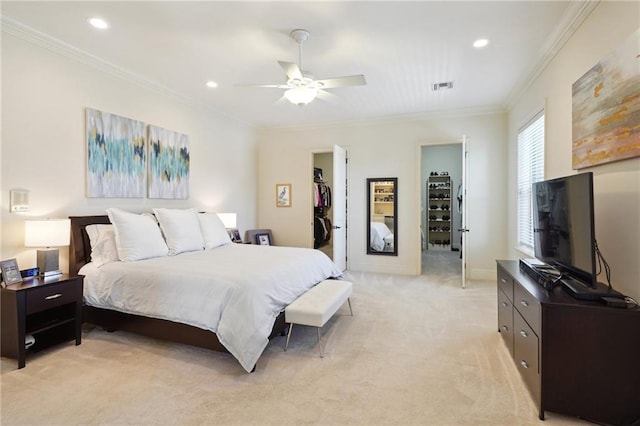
{"points": [[463, 222], [339, 202]]}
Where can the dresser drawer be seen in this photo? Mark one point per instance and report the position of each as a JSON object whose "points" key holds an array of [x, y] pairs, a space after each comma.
{"points": [[505, 282], [526, 354], [528, 306], [505, 320], [52, 295]]}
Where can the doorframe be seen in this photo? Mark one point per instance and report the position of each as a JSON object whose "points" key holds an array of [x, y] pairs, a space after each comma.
{"points": [[328, 150], [418, 196]]}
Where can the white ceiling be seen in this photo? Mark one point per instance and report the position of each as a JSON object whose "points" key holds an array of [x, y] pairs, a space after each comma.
{"points": [[402, 48]]}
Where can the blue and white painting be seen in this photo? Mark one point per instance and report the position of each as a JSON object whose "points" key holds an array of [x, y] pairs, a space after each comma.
{"points": [[169, 163], [116, 156]]}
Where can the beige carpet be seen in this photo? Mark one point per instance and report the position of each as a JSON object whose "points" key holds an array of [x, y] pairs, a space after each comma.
{"points": [[418, 351]]}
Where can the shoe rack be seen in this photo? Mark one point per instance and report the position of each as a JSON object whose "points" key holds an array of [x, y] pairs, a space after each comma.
{"points": [[439, 211]]}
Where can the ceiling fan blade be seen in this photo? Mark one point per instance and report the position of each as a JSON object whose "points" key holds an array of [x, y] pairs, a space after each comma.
{"points": [[328, 97], [275, 86], [291, 69], [281, 101], [352, 80]]}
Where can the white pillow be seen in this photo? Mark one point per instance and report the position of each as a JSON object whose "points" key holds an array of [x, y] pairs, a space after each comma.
{"points": [[137, 236], [213, 230], [181, 229], [103, 244]]}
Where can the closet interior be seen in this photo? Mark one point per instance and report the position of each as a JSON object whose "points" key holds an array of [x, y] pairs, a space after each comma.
{"points": [[321, 209]]}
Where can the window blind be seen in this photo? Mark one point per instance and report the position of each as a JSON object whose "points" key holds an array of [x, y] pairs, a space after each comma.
{"points": [[530, 170]]}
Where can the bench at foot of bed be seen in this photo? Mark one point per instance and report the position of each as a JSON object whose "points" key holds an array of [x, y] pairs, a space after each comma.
{"points": [[317, 306]]}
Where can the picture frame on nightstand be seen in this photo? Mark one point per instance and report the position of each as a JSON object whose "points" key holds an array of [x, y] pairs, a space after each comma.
{"points": [[234, 234], [263, 239], [10, 272]]}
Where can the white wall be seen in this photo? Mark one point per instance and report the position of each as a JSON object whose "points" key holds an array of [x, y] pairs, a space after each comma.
{"points": [[388, 148], [616, 185], [43, 143]]}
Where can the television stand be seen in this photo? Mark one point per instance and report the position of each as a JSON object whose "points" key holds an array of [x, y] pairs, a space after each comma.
{"points": [[582, 291], [577, 357]]}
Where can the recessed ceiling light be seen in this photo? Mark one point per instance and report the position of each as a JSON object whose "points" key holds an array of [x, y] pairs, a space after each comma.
{"points": [[212, 84], [99, 23], [481, 42]]}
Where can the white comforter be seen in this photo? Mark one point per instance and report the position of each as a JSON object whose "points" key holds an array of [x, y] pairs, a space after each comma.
{"points": [[380, 236], [236, 290]]}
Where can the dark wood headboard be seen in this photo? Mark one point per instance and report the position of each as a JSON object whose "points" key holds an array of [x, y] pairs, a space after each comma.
{"points": [[80, 247]]}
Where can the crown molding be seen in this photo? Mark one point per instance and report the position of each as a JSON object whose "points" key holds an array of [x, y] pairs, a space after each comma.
{"points": [[33, 36], [19, 30], [571, 20]]}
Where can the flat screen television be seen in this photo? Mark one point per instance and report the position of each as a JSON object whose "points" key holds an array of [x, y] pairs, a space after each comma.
{"points": [[564, 232]]}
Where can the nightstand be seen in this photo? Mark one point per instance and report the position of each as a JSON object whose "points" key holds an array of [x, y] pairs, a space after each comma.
{"points": [[48, 309]]}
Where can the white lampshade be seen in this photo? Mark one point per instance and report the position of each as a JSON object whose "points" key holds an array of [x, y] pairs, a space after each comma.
{"points": [[47, 232], [301, 95], [228, 219]]}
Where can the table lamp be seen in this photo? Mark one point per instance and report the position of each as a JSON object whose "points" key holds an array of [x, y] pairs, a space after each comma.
{"points": [[45, 234], [228, 219]]}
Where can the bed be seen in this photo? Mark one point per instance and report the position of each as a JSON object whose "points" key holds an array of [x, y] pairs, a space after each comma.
{"points": [[382, 239], [206, 298]]}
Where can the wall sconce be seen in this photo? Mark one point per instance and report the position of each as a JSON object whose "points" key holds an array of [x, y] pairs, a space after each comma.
{"points": [[44, 234], [19, 201]]}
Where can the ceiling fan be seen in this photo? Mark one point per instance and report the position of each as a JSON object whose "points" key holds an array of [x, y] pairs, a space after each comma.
{"points": [[302, 88]]}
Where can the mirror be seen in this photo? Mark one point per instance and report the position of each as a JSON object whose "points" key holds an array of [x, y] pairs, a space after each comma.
{"points": [[382, 211]]}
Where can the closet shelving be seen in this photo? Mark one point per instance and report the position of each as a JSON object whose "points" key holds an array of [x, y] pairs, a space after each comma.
{"points": [[383, 200], [439, 211]]}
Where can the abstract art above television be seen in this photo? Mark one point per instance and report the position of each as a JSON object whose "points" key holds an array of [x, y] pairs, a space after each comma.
{"points": [[169, 163], [606, 108], [116, 156]]}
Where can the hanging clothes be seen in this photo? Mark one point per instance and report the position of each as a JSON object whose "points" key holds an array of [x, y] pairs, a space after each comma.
{"points": [[322, 195], [321, 231], [321, 202]]}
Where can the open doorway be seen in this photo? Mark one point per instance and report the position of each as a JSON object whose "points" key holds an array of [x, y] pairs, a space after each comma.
{"points": [[441, 208], [330, 204], [323, 203]]}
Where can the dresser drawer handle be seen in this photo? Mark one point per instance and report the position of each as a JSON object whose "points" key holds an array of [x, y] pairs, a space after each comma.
{"points": [[53, 296], [504, 304], [524, 364], [505, 328], [503, 280], [524, 303], [524, 334]]}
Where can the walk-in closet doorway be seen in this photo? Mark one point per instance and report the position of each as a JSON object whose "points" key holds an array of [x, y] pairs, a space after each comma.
{"points": [[442, 173], [330, 204]]}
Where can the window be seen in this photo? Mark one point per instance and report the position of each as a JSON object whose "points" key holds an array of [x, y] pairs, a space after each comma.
{"points": [[530, 170]]}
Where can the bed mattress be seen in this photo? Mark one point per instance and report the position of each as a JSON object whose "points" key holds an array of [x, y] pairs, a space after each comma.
{"points": [[236, 290]]}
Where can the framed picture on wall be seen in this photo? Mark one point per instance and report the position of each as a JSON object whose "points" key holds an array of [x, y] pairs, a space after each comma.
{"points": [[283, 195]]}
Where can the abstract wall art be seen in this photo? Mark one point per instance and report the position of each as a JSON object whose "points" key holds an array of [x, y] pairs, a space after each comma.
{"points": [[169, 163], [606, 108], [116, 156]]}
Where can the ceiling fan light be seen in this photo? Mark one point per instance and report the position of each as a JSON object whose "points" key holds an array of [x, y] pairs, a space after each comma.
{"points": [[301, 95]]}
